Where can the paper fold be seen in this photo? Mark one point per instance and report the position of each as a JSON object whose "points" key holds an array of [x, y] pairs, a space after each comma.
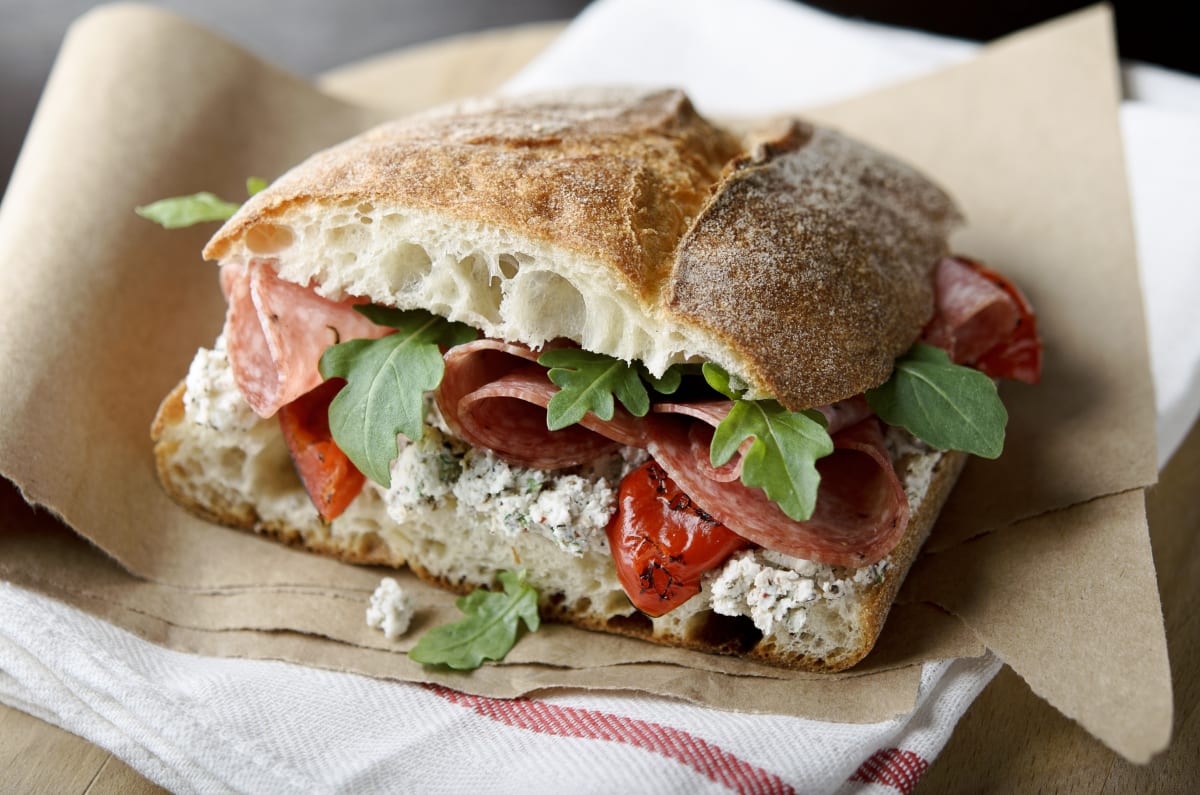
{"points": [[986, 579], [142, 105]]}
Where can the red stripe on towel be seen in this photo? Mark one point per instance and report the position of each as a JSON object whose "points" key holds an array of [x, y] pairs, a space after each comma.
{"points": [[680, 746], [892, 767]]}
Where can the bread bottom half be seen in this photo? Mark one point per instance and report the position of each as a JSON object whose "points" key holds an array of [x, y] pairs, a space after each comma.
{"points": [[232, 468]]}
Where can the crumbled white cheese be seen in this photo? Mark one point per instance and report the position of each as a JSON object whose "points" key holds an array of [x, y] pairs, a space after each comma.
{"points": [[567, 508], [775, 589], [211, 398], [869, 575], [485, 477], [765, 593], [570, 508], [575, 512], [918, 474], [914, 461], [391, 609], [424, 474], [805, 568]]}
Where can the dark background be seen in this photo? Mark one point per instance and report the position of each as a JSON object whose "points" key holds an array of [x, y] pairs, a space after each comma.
{"points": [[310, 36], [1156, 31]]}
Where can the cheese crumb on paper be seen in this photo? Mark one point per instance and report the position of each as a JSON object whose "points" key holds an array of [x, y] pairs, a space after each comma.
{"points": [[391, 609]]}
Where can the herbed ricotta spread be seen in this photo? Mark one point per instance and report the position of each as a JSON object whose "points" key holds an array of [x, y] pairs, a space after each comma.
{"points": [[777, 591], [571, 507], [211, 398], [914, 461]]}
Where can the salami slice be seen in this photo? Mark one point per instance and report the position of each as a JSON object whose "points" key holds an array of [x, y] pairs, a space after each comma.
{"points": [[983, 320], [276, 331], [492, 396], [1018, 354], [709, 413], [846, 413], [861, 510], [508, 416], [972, 312]]}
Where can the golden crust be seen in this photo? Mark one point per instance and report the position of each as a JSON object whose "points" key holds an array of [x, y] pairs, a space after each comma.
{"points": [[613, 179], [814, 262]]}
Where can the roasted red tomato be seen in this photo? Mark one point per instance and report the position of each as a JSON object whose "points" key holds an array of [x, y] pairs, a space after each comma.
{"points": [[328, 476], [662, 543], [1019, 355]]}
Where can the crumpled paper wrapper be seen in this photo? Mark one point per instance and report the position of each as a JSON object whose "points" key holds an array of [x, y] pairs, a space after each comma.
{"points": [[1042, 556]]}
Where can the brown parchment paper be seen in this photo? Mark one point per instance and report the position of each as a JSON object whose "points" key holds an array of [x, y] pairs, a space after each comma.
{"points": [[105, 310]]}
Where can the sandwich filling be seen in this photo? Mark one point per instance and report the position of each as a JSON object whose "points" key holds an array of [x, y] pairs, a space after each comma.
{"points": [[645, 487], [442, 481]]}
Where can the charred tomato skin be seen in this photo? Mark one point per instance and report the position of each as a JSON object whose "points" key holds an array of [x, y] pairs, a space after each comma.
{"points": [[662, 543]]}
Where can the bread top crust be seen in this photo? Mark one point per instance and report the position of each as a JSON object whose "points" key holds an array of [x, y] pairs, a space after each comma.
{"points": [[612, 177], [814, 260], [804, 265]]}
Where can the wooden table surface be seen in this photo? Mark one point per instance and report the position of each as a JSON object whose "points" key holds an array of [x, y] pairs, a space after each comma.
{"points": [[1009, 741]]}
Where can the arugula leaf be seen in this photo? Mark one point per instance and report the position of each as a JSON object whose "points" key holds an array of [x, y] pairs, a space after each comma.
{"points": [[944, 404], [783, 456], [720, 379], [198, 208], [587, 382], [667, 383], [386, 380], [180, 211], [489, 629]]}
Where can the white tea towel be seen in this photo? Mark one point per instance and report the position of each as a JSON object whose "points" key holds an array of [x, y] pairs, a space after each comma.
{"points": [[201, 724]]}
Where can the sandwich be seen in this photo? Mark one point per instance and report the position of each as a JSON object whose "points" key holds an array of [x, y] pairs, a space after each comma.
{"points": [[705, 388]]}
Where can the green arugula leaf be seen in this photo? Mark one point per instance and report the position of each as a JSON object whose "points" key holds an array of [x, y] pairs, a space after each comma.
{"points": [[386, 380], [719, 379], [180, 211], [944, 404], [489, 629], [587, 382], [667, 383], [783, 456], [198, 208]]}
